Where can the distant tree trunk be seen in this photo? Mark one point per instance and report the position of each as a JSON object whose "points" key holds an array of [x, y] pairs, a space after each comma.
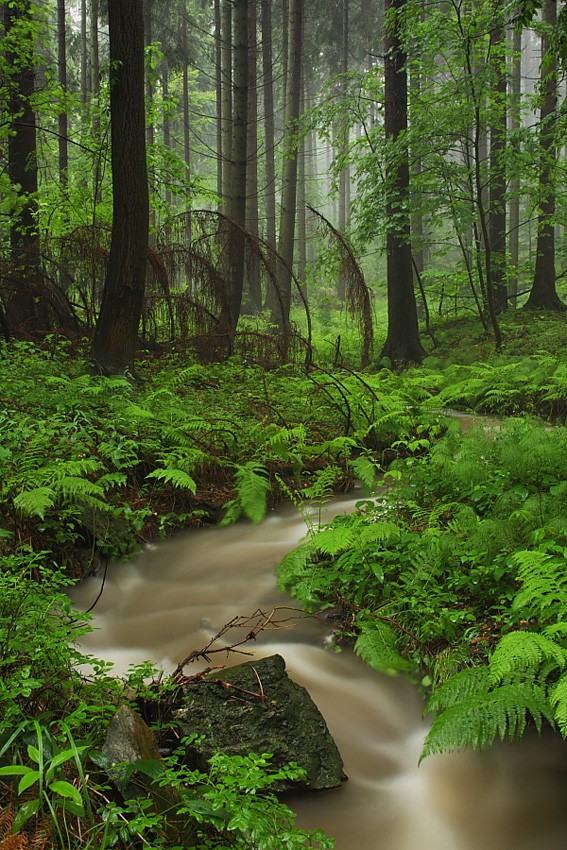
{"points": [[497, 189], [24, 311], [402, 344], [187, 148], [301, 203], [148, 6], [218, 93], [236, 200], [342, 142], [62, 121], [226, 90], [84, 55], [269, 134], [289, 173], [252, 218], [514, 203], [116, 333], [543, 294]]}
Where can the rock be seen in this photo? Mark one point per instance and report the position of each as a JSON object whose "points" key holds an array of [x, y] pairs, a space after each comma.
{"points": [[256, 708], [129, 740]]}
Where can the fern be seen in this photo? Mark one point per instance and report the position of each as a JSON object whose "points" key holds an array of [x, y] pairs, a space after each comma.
{"points": [[544, 585], [377, 646], [35, 502], [522, 654], [479, 718], [558, 701], [176, 477], [252, 485]]}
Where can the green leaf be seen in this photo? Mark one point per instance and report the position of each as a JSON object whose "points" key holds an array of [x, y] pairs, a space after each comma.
{"points": [[28, 780], [177, 477], [35, 502], [24, 813], [65, 789]]}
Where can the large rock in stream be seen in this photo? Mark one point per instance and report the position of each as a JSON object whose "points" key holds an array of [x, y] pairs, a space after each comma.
{"points": [[256, 708]]}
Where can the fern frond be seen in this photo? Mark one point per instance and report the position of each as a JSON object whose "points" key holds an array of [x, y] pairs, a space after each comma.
{"points": [[520, 654], [461, 686], [558, 701], [252, 485], [334, 538], [35, 502], [377, 646], [480, 718], [544, 584], [380, 531], [176, 477], [366, 469]]}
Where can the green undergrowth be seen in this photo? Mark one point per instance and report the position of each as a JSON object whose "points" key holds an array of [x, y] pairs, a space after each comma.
{"points": [[456, 576], [57, 789]]}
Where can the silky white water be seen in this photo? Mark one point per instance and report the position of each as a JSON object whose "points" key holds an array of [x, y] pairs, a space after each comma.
{"points": [[177, 595]]}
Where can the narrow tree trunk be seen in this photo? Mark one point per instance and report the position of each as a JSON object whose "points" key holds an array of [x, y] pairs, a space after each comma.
{"points": [[286, 241], [236, 200], [188, 228], [269, 128], [226, 108], [24, 312], [543, 294], [402, 344], [62, 121], [514, 203], [84, 54], [218, 94], [252, 218], [116, 333], [497, 190]]}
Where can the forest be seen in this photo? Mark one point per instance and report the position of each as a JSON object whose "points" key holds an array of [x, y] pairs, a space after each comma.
{"points": [[258, 252]]}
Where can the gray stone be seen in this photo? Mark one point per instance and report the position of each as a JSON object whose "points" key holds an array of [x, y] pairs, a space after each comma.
{"points": [[256, 708]]}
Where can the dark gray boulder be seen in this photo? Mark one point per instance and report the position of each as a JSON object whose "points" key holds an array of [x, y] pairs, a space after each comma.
{"points": [[256, 708]]}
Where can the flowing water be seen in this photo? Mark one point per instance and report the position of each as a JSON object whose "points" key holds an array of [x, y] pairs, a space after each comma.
{"points": [[176, 596]]}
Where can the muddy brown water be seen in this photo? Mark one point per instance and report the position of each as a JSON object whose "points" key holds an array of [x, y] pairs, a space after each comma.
{"points": [[177, 595]]}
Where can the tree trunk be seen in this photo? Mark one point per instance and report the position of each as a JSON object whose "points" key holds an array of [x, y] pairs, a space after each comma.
{"points": [[402, 344], [116, 333], [514, 203], [252, 218], [236, 200], [62, 120], [24, 311], [188, 228], [289, 173], [543, 294], [218, 94], [497, 189], [269, 127], [226, 91]]}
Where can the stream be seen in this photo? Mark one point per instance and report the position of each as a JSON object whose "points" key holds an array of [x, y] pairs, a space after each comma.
{"points": [[175, 596]]}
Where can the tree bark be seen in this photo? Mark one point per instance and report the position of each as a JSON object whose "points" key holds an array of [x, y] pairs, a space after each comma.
{"points": [[403, 343], [252, 217], [543, 294], [24, 311], [236, 200], [286, 241], [62, 119], [116, 333], [497, 189]]}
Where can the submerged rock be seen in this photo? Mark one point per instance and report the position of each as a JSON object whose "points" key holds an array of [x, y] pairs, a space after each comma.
{"points": [[256, 708]]}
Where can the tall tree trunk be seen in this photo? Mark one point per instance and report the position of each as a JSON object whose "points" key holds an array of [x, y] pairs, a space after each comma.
{"points": [[84, 55], [289, 174], [188, 228], [497, 189], [148, 6], [252, 218], [236, 200], [62, 121], [116, 333], [218, 93], [270, 137], [226, 107], [24, 311], [514, 203], [94, 89], [543, 294], [402, 343], [342, 140]]}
